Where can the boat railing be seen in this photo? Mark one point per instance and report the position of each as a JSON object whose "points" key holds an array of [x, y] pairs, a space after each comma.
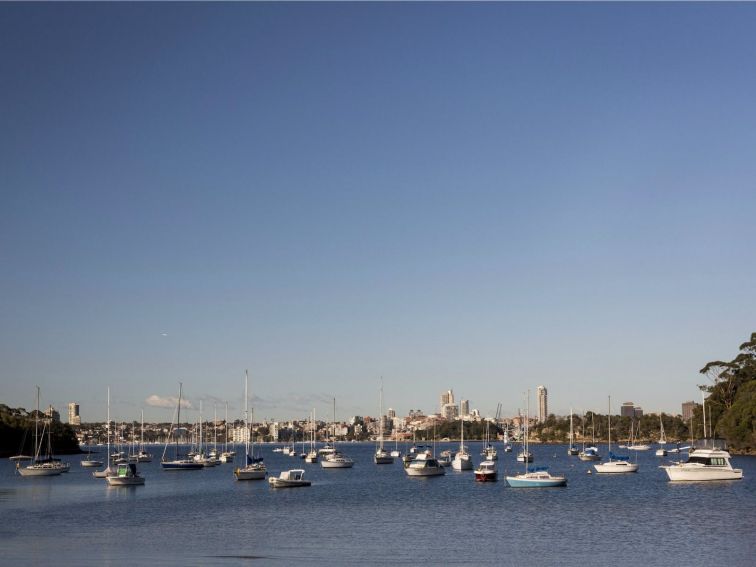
{"points": [[713, 444]]}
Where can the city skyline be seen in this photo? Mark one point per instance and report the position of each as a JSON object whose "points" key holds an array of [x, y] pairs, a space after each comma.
{"points": [[479, 196]]}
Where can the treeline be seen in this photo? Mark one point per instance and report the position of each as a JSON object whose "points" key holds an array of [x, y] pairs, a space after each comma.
{"points": [[731, 400], [17, 433]]}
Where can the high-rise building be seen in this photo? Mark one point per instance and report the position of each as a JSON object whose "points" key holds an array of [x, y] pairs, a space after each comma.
{"points": [[73, 414], [687, 410], [391, 413], [446, 398], [450, 411], [627, 409], [543, 403], [464, 408]]}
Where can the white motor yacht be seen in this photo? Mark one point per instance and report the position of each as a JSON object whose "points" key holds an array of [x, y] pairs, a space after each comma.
{"points": [[336, 460], [424, 465], [706, 463]]}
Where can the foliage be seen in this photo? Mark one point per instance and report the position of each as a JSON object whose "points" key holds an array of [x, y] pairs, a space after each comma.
{"points": [[731, 401], [17, 433]]}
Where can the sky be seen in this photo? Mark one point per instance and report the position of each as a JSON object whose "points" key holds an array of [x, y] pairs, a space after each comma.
{"points": [[485, 197]]}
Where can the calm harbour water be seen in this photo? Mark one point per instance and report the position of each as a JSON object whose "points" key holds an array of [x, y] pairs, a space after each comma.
{"points": [[374, 514]]}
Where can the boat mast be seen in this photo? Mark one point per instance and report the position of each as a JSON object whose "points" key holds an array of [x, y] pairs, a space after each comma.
{"points": [[178, 419], [609, 421], [571, 436], [107, 429], [527, 431], [246, 417], [703, 411], [37, 444], [380, 418]]}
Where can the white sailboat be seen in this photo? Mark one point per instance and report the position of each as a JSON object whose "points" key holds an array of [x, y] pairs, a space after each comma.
{"points": [[661, 451], [107, 471], [589, 453], [226, 456], [382, 456], [534, 477], [39, 466], [616, 464], [312, 455], [462, 460], [254, 468], [335, 459], [572, 450]]}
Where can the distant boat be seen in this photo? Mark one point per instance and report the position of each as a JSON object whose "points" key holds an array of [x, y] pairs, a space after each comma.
{"points": [[445, 458], [616, 464], [289, 479], [335, 459], [524, 456], [107, 471], [126, 475], [462, 460], [661, 451], [178, 463], [254, 467], [572, 450], [312, 455], [589, 453], [533, 477], [424, 465], [40, 466], [382, 456], [486, 471]]}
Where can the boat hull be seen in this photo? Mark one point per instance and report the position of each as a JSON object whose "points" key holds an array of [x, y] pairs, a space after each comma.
{"points": [[525, 482], [616, 467], [425, 471], [250, 474], [584, 457], [485, 477], [683, 473], [338, 464], [91, 464], [462, 464], [128, 481], [383, 460], [39, 470]]}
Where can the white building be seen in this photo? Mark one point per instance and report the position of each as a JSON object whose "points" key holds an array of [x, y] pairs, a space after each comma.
{"points": [[73, 414], [543, 403]]}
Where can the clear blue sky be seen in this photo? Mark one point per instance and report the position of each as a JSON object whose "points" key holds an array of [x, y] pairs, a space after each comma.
{"points": [[484, 197]]}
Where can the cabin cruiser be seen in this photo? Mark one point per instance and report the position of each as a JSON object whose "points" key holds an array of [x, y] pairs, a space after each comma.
{"points": [[536, 477], [589, 454], [486, 471], [710, 462], [336, 460], [289, 479], [126, 475], [424, 465]]}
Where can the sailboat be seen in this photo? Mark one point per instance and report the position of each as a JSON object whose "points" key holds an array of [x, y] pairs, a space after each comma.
{"points": [[489, 452], [254, 468], [534, 477], [107, 471], [615, 464], [589, 453], [143, 456], [336, 459], [661, 451], [177, 463], [462, 460], [382, 456], [39, 466], [634, 444], [572, 450], [226, 456], [312, 456]]}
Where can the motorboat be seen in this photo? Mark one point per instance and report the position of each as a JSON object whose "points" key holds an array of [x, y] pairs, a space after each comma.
{"points": [[336, 460], [424, 465], [486, 471], [289, 479], [705, 463], [589, 454], [125, 475], [536, 477]]}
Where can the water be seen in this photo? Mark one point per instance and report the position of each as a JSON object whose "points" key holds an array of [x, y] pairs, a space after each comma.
{"points": [[374, 514]]}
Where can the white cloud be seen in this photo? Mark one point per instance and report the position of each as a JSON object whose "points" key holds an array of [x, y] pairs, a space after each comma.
{"points": [[156, 401]]}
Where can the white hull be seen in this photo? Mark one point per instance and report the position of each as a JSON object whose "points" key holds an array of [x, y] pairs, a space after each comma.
{"points": [[686, 473], [425, 471], [337, 464], [91, 464], [39, 470], [462, 464], [128, 481], [250, 473], [104, 473], [616, 467]]}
